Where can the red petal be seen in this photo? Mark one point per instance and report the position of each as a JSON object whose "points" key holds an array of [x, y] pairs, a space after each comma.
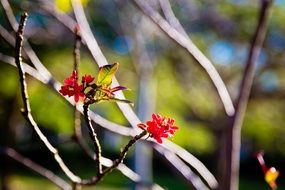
{"points": [[158, 140], [76, 98], [87, 78]]}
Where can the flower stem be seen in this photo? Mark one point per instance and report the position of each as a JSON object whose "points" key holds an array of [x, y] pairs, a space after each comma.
{"points": [[124, 152], [116, 163], [94, 138]]}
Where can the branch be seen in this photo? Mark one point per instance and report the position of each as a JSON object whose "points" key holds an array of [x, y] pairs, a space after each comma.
{"points": [[116, 163], [190, 47], [77, 121], [94, 138], [124, 152], [27, 110], [233, 137], [37, 168]]}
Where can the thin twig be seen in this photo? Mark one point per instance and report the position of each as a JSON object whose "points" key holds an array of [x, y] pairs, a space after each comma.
{"points": [[27, 110], [37, 168], [234, 136], [190, 47], [116, 163], [76, 49], [77, 121], [124, 152], [94, 138]]}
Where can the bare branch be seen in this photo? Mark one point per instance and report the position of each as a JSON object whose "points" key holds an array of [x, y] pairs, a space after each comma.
{"points": [[124, 152], [27, 110], [116, 163], [190, 47], [77, 121], [37, 168], [234, 136], [94, 138]]}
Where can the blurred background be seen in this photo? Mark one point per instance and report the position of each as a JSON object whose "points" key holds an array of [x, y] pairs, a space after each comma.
{"points": [[162, 77]]}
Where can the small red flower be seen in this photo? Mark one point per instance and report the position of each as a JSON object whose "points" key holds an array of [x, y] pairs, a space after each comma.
{"points": [[159, 127], [87, 78], [72, 79], [72, 88]]}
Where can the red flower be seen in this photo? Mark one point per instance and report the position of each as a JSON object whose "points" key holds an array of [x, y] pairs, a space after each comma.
{"points": [[87, 78], [159, 127], [72, 79], [71, 87]]}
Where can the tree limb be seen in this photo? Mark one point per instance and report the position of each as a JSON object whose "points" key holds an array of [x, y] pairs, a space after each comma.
{"points": [[233, 136], [27, 110]]}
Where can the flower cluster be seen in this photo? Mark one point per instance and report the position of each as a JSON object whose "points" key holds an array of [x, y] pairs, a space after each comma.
{"points": [[72, 88], [159, 127], [270, 174], [90, 91]]}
